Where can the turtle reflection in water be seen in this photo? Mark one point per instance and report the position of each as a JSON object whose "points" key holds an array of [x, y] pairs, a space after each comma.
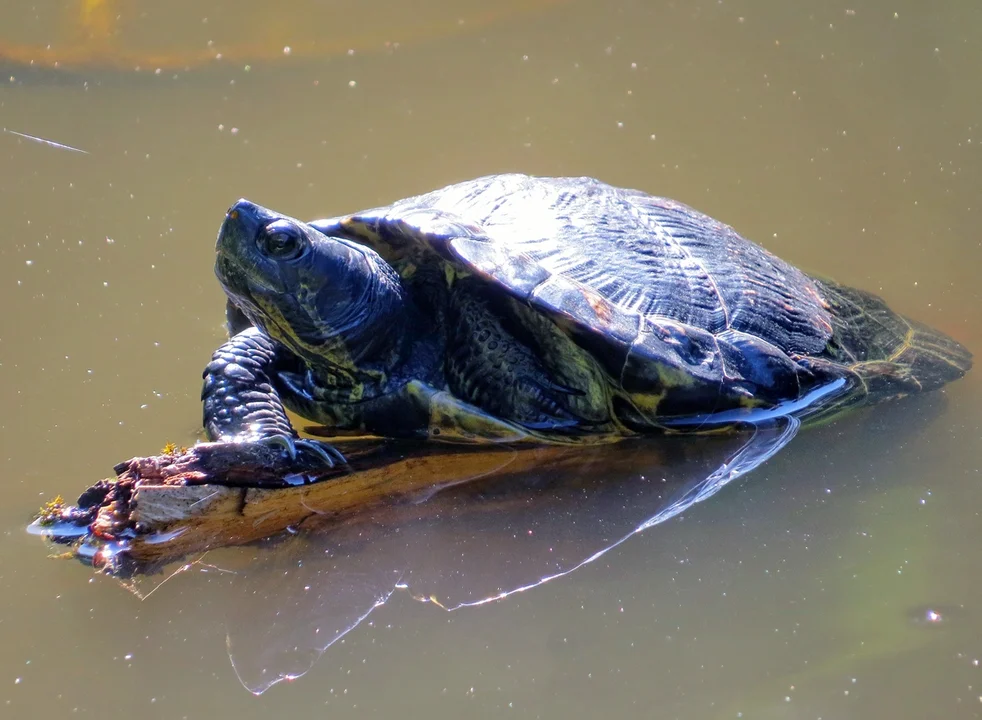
{"points": [[558, 310]]}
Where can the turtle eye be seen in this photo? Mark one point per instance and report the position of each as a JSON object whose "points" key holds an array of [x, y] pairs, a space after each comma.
{"points": [[282, 240]]}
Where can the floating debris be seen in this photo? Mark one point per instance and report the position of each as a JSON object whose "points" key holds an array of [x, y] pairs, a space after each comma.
{"points": [[49, 143]]}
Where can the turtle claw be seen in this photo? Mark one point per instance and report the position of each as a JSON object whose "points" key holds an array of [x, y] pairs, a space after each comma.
{"points": [[330, 454], [285, 442], [324, 451]]}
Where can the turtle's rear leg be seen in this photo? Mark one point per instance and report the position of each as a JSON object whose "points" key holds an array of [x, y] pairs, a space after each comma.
{"points": [[931, 357], [891, 354]]}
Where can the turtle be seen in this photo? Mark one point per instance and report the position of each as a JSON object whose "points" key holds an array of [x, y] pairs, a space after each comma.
{"points": [[515, 309]]}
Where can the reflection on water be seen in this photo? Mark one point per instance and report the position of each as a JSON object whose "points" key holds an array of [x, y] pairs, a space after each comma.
{"points": [[846, 142], [473, 542], [470, 543]]}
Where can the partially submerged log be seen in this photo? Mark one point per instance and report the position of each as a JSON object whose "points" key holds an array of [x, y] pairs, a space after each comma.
{"points": [[161, 508]]}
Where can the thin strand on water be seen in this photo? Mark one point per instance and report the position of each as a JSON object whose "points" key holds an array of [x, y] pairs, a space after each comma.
{"points": [[49, 143]]}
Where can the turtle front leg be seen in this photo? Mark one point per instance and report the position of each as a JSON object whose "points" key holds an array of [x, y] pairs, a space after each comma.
{"points": [[241, 405]]}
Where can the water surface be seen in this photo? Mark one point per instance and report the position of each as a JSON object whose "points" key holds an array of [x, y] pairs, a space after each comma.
{"points": [[845, 138]]}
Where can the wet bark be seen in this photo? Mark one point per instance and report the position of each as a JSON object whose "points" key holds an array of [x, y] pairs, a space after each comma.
{"points": [[164, 507]]}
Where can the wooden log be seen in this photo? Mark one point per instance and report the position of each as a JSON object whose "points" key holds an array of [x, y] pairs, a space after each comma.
{"points": [[164, 507]]}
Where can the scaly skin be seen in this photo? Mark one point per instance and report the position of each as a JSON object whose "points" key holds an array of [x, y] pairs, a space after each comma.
{"points": [[240, 401]]}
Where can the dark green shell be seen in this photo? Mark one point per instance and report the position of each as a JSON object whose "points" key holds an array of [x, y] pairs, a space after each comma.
{"points": [[646, 283]]}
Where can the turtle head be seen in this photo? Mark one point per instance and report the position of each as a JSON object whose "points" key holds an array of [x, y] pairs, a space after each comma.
{"points": [[336, 304]]}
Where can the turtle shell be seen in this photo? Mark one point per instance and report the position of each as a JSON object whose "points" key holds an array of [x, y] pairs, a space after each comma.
{"points": [[641, 281]]}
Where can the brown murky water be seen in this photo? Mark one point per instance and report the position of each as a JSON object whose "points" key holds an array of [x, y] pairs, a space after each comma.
{"points": [[844, 137]]}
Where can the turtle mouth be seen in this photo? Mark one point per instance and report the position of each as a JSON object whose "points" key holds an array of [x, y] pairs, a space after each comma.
{"points": [[234, 281]]}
